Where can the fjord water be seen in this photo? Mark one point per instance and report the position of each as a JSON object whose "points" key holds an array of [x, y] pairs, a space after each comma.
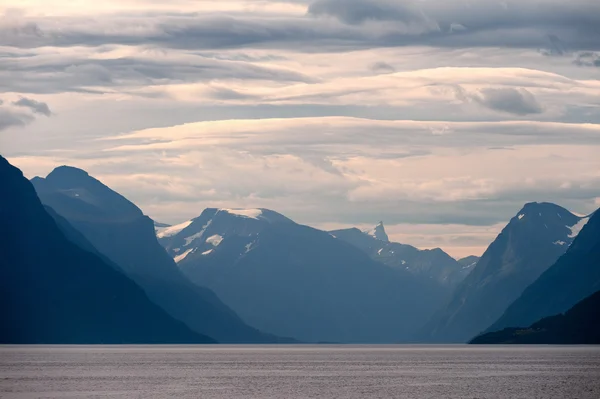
{"points": [[299, 372]]}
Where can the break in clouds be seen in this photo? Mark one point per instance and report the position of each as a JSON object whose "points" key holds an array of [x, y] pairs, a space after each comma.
{"points": [[441, 118]]}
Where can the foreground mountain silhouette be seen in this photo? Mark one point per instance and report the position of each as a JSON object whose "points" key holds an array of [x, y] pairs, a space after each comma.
{"points": [[531, 242], [120, 231], [578, 326], [293, 280], [433, 265], [573, 277], [54, 292]]}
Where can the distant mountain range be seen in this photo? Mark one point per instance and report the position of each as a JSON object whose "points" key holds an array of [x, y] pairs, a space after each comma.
{"points": [[119, 230], [531, 242], [82, 264], [434, 265], [293, 280], [55, 292]]}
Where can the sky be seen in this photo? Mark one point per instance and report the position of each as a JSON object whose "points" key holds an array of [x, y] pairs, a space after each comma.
{"points": [[441, 118]]}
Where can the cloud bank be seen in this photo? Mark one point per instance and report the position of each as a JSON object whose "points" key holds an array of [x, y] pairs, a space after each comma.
{"points": [[439, 117]]}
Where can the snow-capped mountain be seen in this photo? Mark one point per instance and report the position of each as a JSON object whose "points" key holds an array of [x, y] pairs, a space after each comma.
{"points": [[201, 235], [296, 281], [531, 242], [573, 277], [431, 264]]}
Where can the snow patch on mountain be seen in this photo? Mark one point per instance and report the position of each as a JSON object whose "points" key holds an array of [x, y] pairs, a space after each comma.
{"points": [[214, 240], [190, 239], [247, 213], [173, 230], [378, 232], [182, 256], [575, 229]]}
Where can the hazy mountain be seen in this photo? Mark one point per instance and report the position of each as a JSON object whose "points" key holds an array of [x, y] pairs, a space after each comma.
{"points": [[378, 232], [531, 242], [434, 264], [574, 276], [119, 230], [54, 292], [469, 261], [293, 280], [578, 326]]}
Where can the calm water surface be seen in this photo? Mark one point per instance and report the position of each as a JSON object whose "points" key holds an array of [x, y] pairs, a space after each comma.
{"points": [[299, 372]]}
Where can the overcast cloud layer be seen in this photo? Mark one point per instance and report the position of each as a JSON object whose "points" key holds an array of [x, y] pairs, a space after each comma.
{"points": [[439, 117]]}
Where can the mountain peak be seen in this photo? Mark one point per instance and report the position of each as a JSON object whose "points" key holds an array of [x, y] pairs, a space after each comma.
{"points": [[378, 232], [84, 192], [66, 171], [545, 212]]}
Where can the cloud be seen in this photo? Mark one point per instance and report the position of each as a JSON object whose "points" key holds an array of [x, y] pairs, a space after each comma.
{"points": [[9, 118], [359, 11], [510, 100], [587, 58], [329, 111], [442, 23], [515, 101], [61, 71], [382, 67], [37, 107]]}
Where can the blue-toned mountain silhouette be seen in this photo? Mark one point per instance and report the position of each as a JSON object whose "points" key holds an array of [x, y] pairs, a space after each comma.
{"points": [[573, 277], [293, 280], [580, 325], [531, 242], [120, 231], [55, 292], [433, 265]]}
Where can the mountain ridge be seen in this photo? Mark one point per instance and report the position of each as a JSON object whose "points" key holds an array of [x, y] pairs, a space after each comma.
{"points": [[575, 275], [528, 245], [119, 230], [60, 293]]}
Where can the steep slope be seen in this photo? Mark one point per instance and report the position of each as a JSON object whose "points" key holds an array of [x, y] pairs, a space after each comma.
{"points": [[293, 280], [574, 276], [54, 292], [531, 242], [578, 326], [434, 264], [119, 230], [378, 232], [468, 261]]}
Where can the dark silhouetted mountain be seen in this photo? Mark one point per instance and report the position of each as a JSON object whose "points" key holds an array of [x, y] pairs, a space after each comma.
{"points": [[120, 231], [531, 242], [574, 276], [293, 280], [578, 326], [55, 292], [430, 264]]}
